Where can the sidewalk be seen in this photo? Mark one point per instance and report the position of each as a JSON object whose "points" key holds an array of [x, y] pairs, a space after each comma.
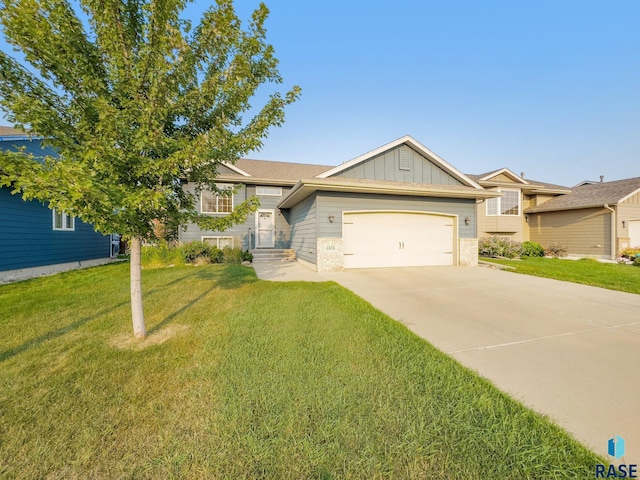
{"points": [[286, 272]]}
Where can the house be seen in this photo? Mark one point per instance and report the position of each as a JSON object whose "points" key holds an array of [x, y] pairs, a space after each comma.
{"points": [[597, 219], [504, 216], [398, 205], [35, 239]]}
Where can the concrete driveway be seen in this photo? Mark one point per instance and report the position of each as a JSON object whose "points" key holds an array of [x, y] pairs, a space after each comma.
{"points": [[569, 351]]}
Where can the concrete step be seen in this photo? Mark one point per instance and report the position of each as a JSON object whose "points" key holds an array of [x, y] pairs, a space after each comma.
{"points": [[274, 255]]}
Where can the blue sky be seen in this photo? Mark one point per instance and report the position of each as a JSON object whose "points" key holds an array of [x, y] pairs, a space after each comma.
{"points": [[549, 88]]}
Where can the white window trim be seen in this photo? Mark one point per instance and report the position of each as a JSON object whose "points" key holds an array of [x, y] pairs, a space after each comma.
{"points": [[499, 200], [269, 194], [217, 238], [221, 186], [65, 227]]}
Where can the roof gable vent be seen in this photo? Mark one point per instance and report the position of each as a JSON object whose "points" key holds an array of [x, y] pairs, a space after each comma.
{"points": [[404, 162]]}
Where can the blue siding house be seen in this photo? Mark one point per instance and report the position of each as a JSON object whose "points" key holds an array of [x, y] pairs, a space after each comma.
{"points": [[35, 239]]}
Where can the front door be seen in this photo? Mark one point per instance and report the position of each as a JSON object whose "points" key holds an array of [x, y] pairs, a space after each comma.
{"points": [[265, 228]]}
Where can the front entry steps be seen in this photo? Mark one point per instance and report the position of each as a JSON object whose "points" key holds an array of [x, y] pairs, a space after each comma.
{"points": [[273, 255]]}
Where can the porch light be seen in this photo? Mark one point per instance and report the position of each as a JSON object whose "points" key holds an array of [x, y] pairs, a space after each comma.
{"points": [[331, 218], [624, 224], [467, 220]]}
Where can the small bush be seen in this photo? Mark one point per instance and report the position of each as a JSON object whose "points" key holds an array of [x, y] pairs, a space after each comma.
{"points": [[556, 249], [193, 250], [247, 256], [231, 255], [630, 252], [499, 247], [636, 262], [532, 249]]}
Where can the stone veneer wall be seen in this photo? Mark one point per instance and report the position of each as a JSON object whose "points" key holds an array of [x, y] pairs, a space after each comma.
{"points": [[468, 252], [329, 251]]}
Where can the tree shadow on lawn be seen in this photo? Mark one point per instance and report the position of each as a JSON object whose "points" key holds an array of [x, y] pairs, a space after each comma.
{"points": [[229, 277]]}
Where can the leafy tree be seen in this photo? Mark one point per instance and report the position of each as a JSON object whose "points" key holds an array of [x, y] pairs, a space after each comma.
{"points": [[135, 101]]}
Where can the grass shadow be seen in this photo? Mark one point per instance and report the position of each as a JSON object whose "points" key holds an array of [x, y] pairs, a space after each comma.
{"points": [[229, 276], [34, 342]]}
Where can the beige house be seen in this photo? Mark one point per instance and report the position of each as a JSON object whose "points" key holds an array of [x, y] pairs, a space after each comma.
{"points": [[593, 219], [504, 216]]}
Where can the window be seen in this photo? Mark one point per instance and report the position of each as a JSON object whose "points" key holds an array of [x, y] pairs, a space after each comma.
{"points": [[62, 221], [212, 202], [269, 191], [508, 204], [220, 242]]}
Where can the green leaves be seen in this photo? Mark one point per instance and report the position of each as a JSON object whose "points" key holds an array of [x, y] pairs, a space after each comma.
{"points": [[135, 101]]}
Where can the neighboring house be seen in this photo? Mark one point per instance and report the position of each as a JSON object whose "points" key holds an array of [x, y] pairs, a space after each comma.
{"points": [[503, 216], [35, 239], [398, 205], [597, 219]]}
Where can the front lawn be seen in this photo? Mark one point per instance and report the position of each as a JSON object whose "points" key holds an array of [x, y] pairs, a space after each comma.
{"points": [[625, 278], [241, 378]]}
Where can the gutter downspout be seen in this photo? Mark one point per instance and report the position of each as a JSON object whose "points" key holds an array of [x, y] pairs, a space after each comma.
{"points": [[613, 230]]}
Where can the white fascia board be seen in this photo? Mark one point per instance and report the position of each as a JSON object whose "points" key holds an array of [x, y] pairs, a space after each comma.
{"points": [[517, 178], [628, 196], [230, 166], [409, 140]]}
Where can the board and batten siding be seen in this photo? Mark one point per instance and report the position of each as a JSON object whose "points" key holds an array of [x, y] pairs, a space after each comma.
{"points": [[304, 229], [334, 203], [584, 231], [27, 238], [387, 166], [240, 232]]}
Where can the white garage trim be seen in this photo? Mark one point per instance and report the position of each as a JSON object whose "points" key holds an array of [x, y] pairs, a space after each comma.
{"points": [[634, 233], [393, 238]]}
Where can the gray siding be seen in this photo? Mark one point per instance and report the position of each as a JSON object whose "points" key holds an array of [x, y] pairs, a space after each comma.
{"points": [[304, 234], [334, 203], [583, 232], [240, 232], [386, 166], [27, 238]]}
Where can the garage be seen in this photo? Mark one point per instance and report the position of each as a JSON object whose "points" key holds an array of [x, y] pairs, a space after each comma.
{"points": [[634, 233], [398, 239]]}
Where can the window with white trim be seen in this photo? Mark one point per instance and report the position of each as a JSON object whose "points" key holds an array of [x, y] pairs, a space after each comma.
{"points": [[63, 221], [212, 202], [507, 205], [219, 242], [269, 191]]}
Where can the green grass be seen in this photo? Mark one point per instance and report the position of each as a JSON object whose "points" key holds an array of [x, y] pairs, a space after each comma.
{"points": [[241, 378], [625, 278]]}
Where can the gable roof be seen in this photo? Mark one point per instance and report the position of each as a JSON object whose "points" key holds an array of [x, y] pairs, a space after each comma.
{"points": [[592, 195], [417, 146], [487, 177], [527, 186]]}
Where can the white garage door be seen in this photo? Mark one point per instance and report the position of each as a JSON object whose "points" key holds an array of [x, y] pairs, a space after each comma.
{"points": [[394, 239], [634, 233]]}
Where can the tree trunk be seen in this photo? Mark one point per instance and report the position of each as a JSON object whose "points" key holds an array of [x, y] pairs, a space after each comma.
{"points": [[139, 329]]}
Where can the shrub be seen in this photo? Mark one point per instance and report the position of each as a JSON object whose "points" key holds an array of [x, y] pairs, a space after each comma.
{"points": [[532, 249], [499, 247], [231, 255], [161, 255], [193, 250], [556, 249], [636, 261], [247, 256], [630, 252]]}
